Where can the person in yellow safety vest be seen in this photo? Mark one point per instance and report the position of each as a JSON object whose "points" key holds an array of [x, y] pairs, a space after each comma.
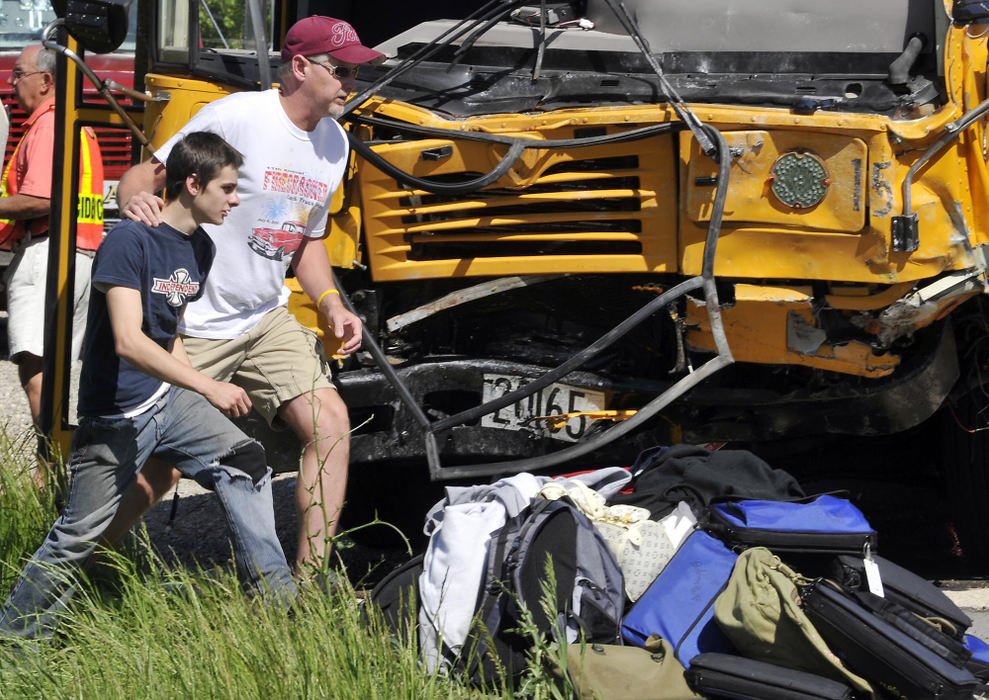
{"points": [[25, 203], [4, 128]]}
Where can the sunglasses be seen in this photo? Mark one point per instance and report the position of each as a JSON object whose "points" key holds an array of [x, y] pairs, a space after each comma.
{"points": [[338, 72]]}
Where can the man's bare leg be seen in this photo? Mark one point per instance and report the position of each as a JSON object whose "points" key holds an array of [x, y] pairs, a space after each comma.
{"points": [[153, 481], [29, 372], [321, 423], [29, 368]]}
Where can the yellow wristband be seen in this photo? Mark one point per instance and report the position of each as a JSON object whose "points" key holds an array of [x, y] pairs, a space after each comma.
{"points": [[323, 295]]}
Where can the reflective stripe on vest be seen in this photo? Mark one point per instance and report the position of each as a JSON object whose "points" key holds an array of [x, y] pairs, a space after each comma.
{"points": [[8, 227], [89, 216]]}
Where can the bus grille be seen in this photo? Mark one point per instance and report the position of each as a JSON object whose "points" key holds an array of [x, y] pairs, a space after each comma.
{"points": [[599, 209]]}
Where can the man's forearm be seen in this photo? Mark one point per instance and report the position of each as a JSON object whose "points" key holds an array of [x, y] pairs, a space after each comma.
{"points": [[24, 207], [312, 268], [313, 271], [149, 357], [148, 176]]}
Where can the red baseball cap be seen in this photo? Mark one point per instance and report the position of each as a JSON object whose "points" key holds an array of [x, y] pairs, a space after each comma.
{"points": [[318, 34]]}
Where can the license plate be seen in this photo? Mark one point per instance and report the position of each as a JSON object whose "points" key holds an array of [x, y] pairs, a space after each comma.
{"points": [[555, 399]]}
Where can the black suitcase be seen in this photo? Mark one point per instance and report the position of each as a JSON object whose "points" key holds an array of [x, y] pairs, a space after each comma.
{"points": [[879, 651], [931, 636], [903, 587], [728, 676]]}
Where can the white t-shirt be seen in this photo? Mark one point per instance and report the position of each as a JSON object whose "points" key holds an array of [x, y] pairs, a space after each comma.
{"points": [[285, 186]]}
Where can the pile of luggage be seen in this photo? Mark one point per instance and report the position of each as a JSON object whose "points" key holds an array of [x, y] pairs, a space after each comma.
{"points": [[694, 574]]}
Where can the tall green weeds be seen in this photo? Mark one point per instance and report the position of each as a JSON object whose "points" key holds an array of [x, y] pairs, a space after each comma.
{"points": [[140, 629], [26, 512]]}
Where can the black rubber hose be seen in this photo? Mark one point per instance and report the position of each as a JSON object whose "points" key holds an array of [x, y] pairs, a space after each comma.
{"points": [[475, 34], [438, 132], [899, 69], [370, 345], [720, 196], [493, 9], [514, 151], [679, 106], [516, 146]]}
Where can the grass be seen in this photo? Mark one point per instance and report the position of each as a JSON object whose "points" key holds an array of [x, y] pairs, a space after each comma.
{"points": [[140, 629]]}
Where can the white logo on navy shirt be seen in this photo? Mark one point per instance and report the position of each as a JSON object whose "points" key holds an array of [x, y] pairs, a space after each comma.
{"points": [[176, 288]]}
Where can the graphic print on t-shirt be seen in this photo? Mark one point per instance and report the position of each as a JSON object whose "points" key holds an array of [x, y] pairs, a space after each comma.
{"points": [[177, 288], [275, 243], [282, 223]]}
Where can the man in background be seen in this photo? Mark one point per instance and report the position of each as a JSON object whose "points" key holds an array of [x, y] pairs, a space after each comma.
{"points": [[25, 204]]}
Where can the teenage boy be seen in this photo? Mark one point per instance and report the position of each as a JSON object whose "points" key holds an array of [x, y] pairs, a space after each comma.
{"points": [[241, 330], [139, 397]]}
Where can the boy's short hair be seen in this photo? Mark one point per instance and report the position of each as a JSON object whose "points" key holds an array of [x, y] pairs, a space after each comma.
{"points": [[201, 153]]}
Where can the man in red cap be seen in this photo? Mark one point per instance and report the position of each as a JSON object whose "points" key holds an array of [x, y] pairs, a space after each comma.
{"points": [[295, 155]]}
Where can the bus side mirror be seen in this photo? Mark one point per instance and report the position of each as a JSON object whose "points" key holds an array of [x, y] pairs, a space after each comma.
{"points": [[99, 26]]}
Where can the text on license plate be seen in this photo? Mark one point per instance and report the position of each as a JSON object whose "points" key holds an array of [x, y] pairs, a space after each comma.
{"points": [[554, 399]]}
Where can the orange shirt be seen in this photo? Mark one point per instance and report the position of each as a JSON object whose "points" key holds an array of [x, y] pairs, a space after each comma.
{"points": [[30, 173]]}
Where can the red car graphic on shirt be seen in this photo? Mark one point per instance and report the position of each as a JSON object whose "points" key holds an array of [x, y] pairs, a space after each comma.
{"points": [[274, 243]]}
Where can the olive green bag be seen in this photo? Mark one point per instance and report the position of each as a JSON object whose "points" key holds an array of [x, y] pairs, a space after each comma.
{"points": [[612, 672], [760, 612]]}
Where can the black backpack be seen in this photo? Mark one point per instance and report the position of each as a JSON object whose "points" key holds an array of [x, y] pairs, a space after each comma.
{"points": [[396, 596], [588, 594]]}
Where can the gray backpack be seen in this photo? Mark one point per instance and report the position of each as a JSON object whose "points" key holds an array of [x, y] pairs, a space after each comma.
{"points": [[588, 597]]}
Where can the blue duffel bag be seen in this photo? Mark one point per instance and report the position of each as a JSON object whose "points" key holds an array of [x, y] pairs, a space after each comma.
{"points": [[823, 524], [679, 605]]}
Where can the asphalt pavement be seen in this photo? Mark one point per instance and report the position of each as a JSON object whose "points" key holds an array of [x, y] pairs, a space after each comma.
{"points": [[973, 598]]}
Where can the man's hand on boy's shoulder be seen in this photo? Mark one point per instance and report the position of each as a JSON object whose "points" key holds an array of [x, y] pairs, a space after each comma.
{"points": [[230, 399], [135, 193], [145, 208]]}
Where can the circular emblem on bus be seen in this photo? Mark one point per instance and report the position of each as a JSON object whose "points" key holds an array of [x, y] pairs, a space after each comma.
{"points": [[799, 180]]}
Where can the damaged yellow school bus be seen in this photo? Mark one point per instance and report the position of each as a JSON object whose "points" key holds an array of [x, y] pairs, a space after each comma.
{"points": [[577, 229]]}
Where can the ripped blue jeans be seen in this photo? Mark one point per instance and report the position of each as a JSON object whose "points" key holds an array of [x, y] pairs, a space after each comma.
{"points": [[184, 430]]}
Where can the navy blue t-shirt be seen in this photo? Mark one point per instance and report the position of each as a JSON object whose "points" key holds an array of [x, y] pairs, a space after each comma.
{"points": [[168, 268]]}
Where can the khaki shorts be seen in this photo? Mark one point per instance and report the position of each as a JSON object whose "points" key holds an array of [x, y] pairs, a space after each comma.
{"points": [[27, 281], [274, 362]]}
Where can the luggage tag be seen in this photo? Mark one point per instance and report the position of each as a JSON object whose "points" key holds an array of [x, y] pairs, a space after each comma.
{"points": [[872, 576]]}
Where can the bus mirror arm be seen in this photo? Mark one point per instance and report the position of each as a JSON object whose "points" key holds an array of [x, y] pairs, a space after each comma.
{"points": [[102, 86]]}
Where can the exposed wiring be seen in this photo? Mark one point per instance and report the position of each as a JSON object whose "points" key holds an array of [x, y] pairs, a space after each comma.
{"points": [[970, 431], [492, 10], [516, 146], [679, 106], [711, 142]]}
